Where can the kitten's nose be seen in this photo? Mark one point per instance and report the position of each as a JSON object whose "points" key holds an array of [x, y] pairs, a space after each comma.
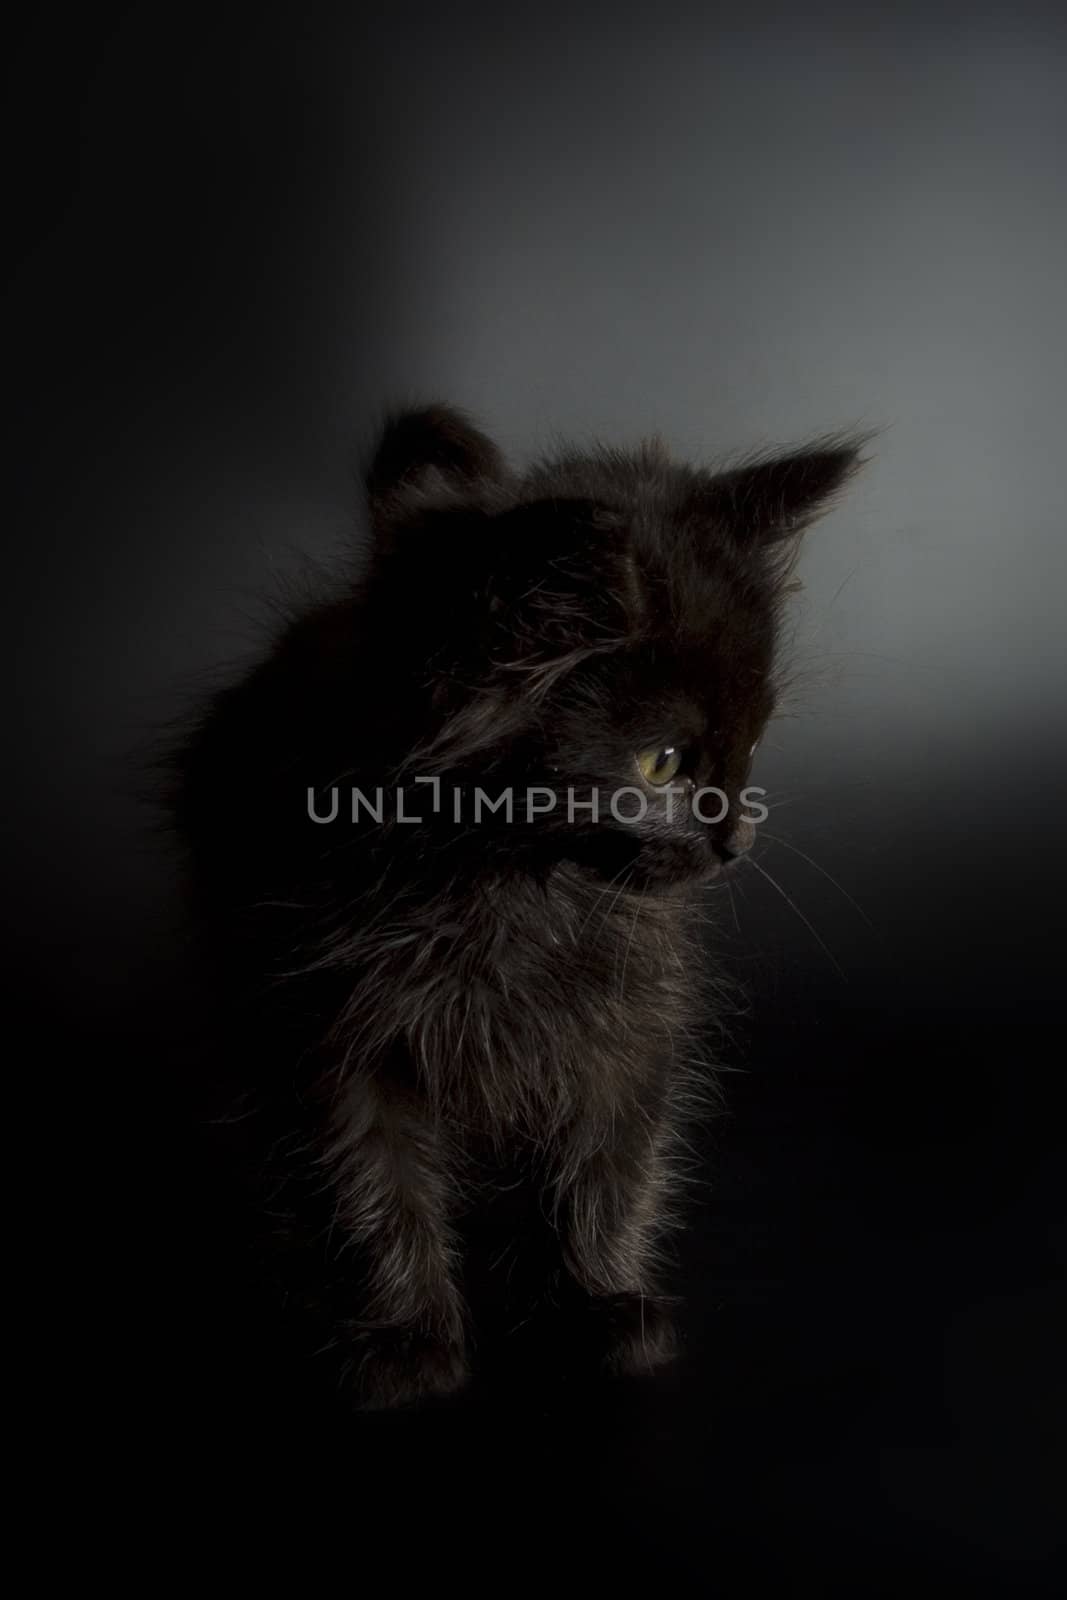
{"points": [[741, 839]]}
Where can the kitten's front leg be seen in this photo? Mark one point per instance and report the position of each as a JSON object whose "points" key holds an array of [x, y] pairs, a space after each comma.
{"points": [[393, 1200], [612, 1195]]}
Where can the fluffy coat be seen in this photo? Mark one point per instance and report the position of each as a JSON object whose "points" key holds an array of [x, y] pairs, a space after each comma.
{"points": [[474, 1042]]}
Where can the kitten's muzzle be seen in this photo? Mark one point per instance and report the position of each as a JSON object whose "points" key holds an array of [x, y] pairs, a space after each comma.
{"points": [[729, 851]]}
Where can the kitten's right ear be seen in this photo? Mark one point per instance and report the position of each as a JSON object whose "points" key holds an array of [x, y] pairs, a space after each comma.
{"points": [[432, 453]]}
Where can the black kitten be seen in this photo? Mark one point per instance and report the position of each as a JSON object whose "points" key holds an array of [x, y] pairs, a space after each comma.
{"points": [[473, 1036]]}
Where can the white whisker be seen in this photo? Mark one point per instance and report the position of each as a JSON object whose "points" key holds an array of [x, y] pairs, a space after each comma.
{"points": [[791, 903]]}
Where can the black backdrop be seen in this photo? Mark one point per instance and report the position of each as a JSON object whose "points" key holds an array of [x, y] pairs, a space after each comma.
{"points": [[217, 283]]}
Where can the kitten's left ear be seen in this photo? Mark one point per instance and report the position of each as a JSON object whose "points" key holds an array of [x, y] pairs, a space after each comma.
{"points": [[779, 496], [433, 452]]}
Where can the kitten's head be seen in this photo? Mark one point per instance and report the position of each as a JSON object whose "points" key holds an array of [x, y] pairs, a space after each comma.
{"points": [[605, 621]]}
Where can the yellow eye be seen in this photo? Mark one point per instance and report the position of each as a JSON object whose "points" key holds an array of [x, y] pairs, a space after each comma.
{"points": [[659, 763]]}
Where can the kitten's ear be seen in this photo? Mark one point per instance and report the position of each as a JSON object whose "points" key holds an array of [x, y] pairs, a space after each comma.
{"points": [[779, 496], [433, 451]]}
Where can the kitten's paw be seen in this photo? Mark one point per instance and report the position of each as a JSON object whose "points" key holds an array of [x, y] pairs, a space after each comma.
{"points": [[644, 1338], [635, 1332], [402, 1366]]}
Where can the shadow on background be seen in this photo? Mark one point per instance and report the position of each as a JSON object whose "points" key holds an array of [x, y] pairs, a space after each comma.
{"points": [[206, 314]]}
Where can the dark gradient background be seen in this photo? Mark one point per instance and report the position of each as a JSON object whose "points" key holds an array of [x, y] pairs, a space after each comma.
{"points": [[240, 235]]}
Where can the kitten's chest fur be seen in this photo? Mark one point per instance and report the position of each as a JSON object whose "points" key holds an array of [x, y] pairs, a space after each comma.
{"points": [[527, 1008]]}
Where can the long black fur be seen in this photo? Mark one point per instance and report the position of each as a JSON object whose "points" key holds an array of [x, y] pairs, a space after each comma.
{"points": [[473, 1046]]}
